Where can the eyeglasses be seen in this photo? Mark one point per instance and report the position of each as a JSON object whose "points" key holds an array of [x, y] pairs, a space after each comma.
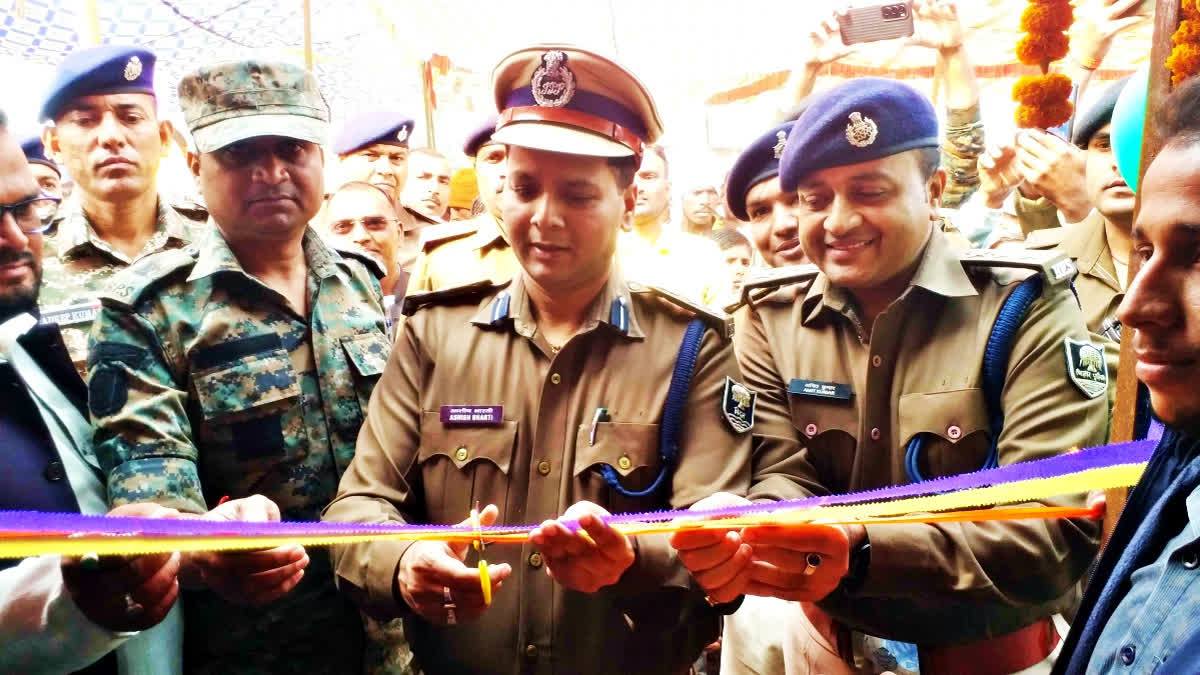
{"points": [[32, 215], [370, 224]]}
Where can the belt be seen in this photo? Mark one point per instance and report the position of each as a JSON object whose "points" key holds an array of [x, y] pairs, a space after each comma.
{"points": [[1001, 655]]}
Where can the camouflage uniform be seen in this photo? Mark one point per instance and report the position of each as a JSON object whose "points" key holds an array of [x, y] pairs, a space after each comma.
{"points": [[961, 148], [77, 264], [203, 382]]}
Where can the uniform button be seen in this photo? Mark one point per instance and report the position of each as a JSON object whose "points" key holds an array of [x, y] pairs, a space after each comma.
{"points": [[954, 432], [460, 454], [875, 434], [877, 360], [554, 379], [55, 472], [1128, 654], [811, 430], [544, 468], [1191, 559], [624, 462], [531, 651], [535, 560]]}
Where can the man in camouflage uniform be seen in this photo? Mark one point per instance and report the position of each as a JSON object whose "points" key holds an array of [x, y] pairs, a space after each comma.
{"points": [[107, 134], [243, 365]]}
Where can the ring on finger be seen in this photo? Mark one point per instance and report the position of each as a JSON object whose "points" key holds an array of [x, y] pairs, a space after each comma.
{"points": [[132, 607], [811, 562]]}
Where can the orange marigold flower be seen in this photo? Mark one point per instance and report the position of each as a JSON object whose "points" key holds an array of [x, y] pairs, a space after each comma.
{"points": [[1047, 18], [1190, 9], [1044, 117], [1188, 31], [1037, 90], [1183, 62], [1037, 49]]}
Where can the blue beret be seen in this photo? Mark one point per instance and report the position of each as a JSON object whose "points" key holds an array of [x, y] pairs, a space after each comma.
{"points": [[1098, 113], [480, 136], [391, 128], [35, 153], [97, 71], [757, 163], [857, 121]]}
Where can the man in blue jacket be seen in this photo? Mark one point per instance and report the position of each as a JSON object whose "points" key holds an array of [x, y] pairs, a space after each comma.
{"points": [[1141, 613]]}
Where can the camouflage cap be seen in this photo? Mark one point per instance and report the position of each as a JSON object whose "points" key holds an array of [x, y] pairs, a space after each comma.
{"points": [[230, 102]]}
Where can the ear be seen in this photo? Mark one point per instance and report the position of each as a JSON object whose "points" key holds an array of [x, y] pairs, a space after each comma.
{"points": [[936, 187], [630, 197], [193, 162], [166, 134]]}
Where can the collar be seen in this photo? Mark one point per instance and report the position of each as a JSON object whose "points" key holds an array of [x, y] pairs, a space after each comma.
{"points": [[488, 232], [940, 272], [1087, 243], [75, 229], [216, 256], [613, 307]]}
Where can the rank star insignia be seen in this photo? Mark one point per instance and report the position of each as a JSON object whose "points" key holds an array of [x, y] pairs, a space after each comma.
{"points": [[133, 68], [553, 83], [781, 144], [737, 406], [861, 131], [1086, 367]]}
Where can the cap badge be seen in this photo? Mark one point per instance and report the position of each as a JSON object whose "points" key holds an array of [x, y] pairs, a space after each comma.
{"points": [[133, 68], [861, 131], [553, 82], [402, 135], [781, 145]]}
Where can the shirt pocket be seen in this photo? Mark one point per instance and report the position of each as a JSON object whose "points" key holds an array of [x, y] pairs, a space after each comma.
{"points": [[632, 451], [462, 465], [953, 426], [253, 420], [829, 429], [368, 355]]}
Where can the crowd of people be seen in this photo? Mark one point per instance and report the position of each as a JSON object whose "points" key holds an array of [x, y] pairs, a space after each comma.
{"points": [[535, 339]]}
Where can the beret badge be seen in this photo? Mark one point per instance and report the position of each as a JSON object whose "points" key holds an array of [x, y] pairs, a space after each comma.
{"points": [[780, 145], [861, 131], [133, 69], [553, 83], [402, 135]]}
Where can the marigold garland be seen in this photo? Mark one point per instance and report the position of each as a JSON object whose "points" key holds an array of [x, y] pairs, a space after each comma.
{"points": [[1184, 60], [1045, 100]]}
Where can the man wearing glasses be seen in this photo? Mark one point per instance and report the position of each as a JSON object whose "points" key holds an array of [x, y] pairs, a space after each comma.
{"points": [[362, 217], [106, 132]]}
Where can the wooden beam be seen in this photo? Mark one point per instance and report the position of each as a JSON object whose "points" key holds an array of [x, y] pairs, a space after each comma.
{"points": [[1166, 21], [308, 44], [90, 35]]}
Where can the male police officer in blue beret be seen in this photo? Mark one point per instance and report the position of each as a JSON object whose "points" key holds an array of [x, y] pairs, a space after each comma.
{"points": [[107, 134], [869, 369], [752, 195], [44, 170], [373, 147], [459, 253]]}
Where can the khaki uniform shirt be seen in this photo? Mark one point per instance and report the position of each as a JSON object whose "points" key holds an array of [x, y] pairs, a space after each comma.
{"points": [[918, 371], [77, 264], [1086, 243], [204, 382], [685, 263], [463, 253], [483, 349]]}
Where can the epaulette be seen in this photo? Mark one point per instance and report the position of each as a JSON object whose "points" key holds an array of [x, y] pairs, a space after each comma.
{"points": [[130, 284], [373, 264], [1055, 267], [473, 291], [722, 322], [433, 236], [1047, 238], [772, 278]]}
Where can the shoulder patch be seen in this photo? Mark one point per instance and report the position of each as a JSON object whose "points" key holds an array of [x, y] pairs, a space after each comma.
{"points": [[436, 235], [1086, 367], [772, 278], [1055, 267], [722, 322], [1047, 238], [737, 405], [130, 284], [447, 296], [373, 264]]}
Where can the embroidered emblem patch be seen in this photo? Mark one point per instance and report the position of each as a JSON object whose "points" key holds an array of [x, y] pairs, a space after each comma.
{"points": [[861, 131], [553, 83], [133, 68], [1086, 367], [781, 145], [737, 405]]}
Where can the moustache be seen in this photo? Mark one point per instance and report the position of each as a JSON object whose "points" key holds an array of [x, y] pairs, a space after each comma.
{"points": [[9, 256]]}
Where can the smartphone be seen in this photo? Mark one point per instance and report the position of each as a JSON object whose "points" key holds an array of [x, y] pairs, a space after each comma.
{"points": [[886, 21]]}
